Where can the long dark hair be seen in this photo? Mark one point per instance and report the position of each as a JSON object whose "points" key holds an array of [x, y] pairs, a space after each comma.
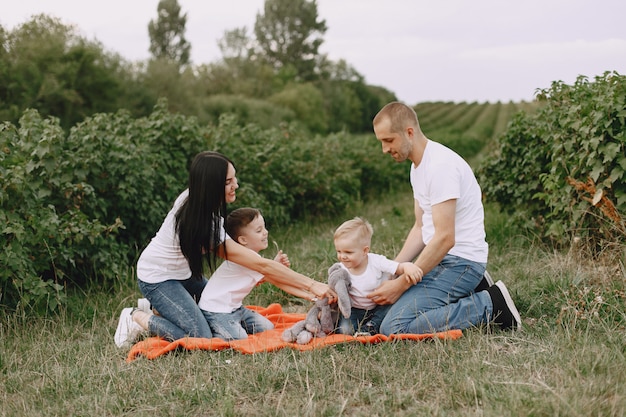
{"points": [[199, 219]]}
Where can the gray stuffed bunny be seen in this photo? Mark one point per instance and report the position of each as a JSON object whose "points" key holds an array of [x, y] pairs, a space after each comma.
{"points": [[322, 317]]}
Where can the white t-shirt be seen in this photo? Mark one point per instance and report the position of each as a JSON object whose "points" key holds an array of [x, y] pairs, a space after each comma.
{"points": [[443, 175], [162, 259], [228, 286], [376, 272]]}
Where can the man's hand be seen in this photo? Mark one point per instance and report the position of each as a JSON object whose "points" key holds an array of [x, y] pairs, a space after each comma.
{"points": [[389, 291]]}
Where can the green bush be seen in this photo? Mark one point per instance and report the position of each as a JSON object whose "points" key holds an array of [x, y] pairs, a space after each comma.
{"points": [[78, 208], [136, 166], [46, 235], [290, 174], [563, 169]]}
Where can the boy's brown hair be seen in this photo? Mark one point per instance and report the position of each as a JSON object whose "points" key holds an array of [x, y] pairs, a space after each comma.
{"points": [[238, 219]]}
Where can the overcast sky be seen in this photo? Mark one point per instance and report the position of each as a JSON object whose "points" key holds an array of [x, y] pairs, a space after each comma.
{"points": [[422, 50]]}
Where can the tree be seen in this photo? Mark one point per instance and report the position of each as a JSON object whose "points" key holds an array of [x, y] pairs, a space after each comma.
{"points": [[167, 33], [289, 35], [5, 78], [240, 72], [46, 65], [164, 79], [236, 44], [307, 102]]}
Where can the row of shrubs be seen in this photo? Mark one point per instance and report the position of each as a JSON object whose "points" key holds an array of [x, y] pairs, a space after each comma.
{"points": [[561, 171], [77, 208]]}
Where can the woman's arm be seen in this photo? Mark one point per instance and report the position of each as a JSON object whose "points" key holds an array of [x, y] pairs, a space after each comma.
{"points": [[273, 271], [282, 258], [290, 289]]}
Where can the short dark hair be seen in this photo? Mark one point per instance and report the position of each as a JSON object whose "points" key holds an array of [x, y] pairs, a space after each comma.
{"points": [[240, 218], [399, 114]]}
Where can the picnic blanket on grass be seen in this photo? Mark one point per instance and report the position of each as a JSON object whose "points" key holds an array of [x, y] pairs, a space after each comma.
{"points": [[270, 340]]}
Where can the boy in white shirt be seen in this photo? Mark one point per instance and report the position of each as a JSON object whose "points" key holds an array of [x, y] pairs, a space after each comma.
{"points": [[367, 270], [222, 297]]}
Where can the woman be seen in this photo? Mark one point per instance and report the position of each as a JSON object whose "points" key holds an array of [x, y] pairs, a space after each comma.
{"points": [[170, 269]]}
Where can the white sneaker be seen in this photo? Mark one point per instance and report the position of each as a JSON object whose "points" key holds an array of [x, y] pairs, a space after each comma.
{"points": [[127, 330], [144, 305]]}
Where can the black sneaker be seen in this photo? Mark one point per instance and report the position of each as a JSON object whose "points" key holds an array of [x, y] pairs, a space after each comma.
{"points": [[484, 283], [505, 313]]}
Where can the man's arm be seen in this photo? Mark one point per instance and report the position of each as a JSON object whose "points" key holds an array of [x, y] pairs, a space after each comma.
{"points": [[428, 256], [443, 239], [413, 244], [389, 291]]}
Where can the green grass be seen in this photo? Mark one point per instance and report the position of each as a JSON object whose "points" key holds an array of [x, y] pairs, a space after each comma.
{"points": [[568, 361]]}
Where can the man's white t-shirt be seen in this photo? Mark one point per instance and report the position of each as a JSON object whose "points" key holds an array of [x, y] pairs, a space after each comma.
{"points": [[228, 286], [162, 259], [378, 268], [443, 175]]}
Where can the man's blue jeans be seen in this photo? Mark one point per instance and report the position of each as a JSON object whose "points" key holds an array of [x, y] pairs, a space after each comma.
{"points": [[177, 304], [443, 300]]}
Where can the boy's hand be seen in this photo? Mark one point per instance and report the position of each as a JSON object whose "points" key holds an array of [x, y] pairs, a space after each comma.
{"points": [[282, 258], [412, 273]]}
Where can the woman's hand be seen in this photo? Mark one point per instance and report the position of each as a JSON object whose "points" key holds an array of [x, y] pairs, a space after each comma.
{"points": [[321, 290]]}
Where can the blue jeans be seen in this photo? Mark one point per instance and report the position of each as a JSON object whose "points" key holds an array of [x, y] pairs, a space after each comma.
{"points": [[361, 320], [238, 324], [177, 304], [443, 300]]}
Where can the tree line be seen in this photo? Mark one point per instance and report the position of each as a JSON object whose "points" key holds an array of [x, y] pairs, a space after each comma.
{"points": [[272, 74]]}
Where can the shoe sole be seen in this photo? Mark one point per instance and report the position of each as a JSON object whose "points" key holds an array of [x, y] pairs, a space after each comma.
{"points": [[144, 305], [488, 278], [123, 327], [510, 304], [485, 282]]}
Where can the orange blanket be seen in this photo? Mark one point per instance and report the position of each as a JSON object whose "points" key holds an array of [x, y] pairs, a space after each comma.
{"points": [[270, 340]]}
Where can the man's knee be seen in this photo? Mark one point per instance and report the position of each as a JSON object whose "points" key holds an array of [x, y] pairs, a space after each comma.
{"points": [[391, 326]]}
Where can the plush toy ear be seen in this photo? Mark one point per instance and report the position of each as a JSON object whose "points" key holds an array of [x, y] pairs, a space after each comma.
{"points": [[334, 267], [339, 280]]}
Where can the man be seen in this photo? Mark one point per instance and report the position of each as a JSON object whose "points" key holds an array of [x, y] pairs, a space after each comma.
{"points": [[447, 241]]}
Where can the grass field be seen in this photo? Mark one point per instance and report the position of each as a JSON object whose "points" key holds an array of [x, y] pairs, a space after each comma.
{"points": [[569, 360]]}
